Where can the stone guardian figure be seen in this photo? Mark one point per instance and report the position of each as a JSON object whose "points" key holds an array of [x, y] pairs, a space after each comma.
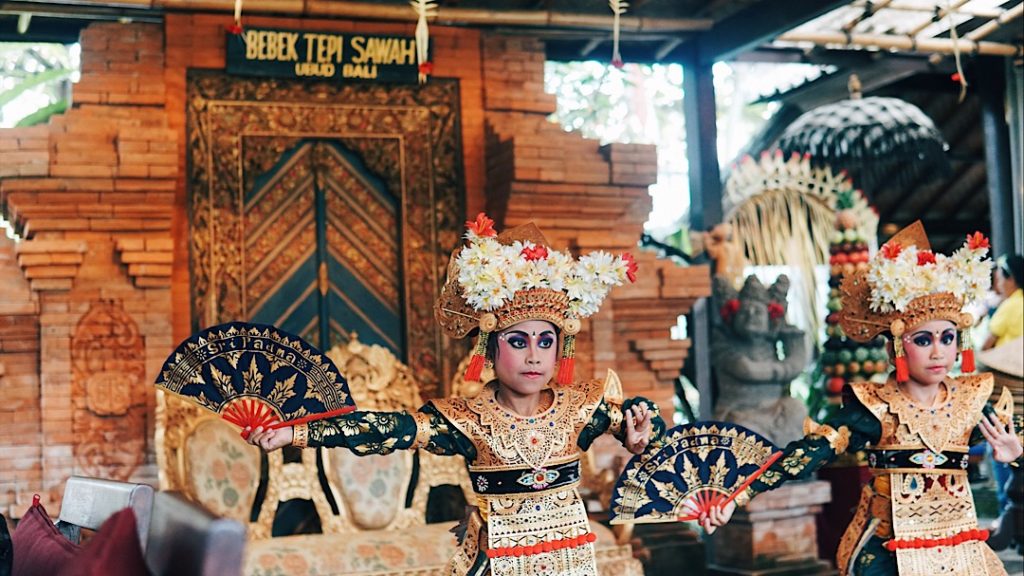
{"points": [[756, 354]]}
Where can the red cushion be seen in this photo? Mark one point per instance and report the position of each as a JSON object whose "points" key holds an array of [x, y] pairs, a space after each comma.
{"points": [[113, 551], [39, 548]]}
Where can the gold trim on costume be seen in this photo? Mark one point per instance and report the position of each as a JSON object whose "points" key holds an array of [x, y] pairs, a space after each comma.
{"points": [[300, 435], [424, 431]]}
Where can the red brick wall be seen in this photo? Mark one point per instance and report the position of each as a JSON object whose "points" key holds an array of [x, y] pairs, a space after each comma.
{"points": [[92, 193], [20, 450]]}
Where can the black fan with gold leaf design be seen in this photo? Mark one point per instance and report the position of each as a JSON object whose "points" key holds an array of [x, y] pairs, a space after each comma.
{"points": [[256, 375], [697, 467]]}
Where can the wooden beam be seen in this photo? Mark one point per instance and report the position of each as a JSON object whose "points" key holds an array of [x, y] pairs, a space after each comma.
{"points": [[991, 83], [447, 15], [758, 24], [705, 200]]}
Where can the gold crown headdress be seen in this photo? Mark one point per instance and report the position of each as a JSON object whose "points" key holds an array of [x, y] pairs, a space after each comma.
{"points": [[498, 280], [906, 284]]}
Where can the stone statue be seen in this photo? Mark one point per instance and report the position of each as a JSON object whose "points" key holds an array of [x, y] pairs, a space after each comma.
{"points": [[756, 354]]}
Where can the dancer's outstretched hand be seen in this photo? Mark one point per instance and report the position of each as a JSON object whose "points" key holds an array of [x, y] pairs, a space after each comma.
{"points": [[638, 428], [269, 440], [1003, 438], [716, 516]]}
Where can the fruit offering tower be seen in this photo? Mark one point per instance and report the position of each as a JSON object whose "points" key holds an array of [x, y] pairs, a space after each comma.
{"points": [[844, 360]]}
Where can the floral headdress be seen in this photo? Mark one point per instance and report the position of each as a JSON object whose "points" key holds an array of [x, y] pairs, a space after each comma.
{"points": [[496, 281], [906, 284]]}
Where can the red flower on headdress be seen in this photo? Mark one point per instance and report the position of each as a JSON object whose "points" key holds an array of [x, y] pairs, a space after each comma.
{"points": [[891, 250], [925, 257], [729, 309], [775, 310], [532, 253], [631, 266], [977, 241], [482, 226]]}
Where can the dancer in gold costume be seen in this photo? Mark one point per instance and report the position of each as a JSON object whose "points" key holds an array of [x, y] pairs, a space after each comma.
{"points": [[522, 437], [916, 516]]}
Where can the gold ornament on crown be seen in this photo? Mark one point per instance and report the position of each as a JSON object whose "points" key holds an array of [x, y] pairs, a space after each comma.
{"points": [[907, 284], [499, 280]]}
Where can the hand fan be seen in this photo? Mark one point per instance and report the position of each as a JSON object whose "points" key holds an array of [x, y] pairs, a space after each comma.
{"points": [[697, 467], [256, 375]]}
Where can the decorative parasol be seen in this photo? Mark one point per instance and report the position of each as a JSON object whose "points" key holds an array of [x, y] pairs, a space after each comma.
{"points": [[697, 467], [881, 140], [256, 375]]}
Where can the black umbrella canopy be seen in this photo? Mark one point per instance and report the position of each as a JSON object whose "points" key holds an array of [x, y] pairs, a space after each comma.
{"points": [[880, 139]]}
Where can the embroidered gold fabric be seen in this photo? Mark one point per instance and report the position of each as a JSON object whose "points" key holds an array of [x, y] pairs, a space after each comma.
{"points": [[838, 440], [504, 440], [507, 441], [945, 426], [911, 503]]}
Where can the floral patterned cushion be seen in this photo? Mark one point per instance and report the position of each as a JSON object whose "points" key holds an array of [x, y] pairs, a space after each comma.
{"points": [[222, 469], [373, 486], [425, 548]]}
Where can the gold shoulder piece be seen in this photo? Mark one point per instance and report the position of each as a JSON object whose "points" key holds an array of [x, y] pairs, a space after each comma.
{"points": [[975, 390], [838, 440], [1004, 407], [867, 393], [810, 426], [613, 388]]}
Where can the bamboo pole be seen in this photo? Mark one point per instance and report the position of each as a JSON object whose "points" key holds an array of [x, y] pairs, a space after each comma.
{"points": [[943, 12], [930, 9], [446, 15], [903, 43], [864, 16], [995, 24]]}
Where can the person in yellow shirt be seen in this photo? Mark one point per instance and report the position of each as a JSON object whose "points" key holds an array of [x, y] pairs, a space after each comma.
{"points": [[1008, 321]]}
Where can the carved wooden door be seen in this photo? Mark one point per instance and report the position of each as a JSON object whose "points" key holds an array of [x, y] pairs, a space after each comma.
{"points": [[326, 209], [322, 248]]}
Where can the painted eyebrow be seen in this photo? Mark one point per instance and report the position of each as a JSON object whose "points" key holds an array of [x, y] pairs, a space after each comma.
{"points": [[511, 332], [925, 332]]}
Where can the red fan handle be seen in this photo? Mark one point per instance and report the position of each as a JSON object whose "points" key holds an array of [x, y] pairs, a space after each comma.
{"points": [[252, 413], [706, 498], [754, 476]]}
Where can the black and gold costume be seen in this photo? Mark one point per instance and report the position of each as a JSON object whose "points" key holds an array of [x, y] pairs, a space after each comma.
{"points": [[530, 518], [916, 516]]}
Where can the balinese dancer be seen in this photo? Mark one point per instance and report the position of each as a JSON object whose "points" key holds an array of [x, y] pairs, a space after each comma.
{"points": [[916, 516], [523, 435]]}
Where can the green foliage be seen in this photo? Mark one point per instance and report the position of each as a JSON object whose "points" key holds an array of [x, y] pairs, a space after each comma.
{"points": [[34, 81], [42, 115]]}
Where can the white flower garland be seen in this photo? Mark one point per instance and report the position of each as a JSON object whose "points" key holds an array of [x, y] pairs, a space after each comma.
{"points": [[491, 273], [898, 279]]}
